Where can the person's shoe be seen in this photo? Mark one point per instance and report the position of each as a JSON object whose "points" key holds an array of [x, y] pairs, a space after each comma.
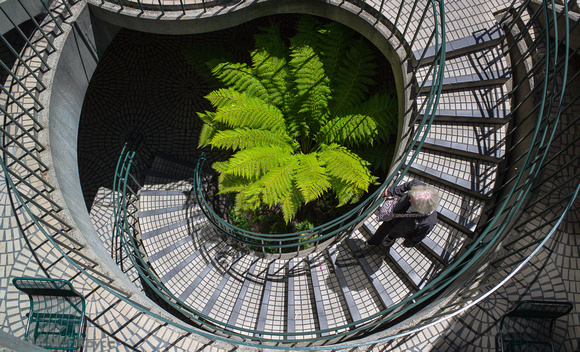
{"points": [[388, 242], [366, 246]]}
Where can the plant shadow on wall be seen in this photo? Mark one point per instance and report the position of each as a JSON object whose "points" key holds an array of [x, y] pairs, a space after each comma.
{"points": [[310, 122]]}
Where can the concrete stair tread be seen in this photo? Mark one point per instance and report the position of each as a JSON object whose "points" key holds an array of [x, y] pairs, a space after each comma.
{"points": [[423, 266], [485, 140], [162, 199], [370, 270], [445, 240], [161, 211], [472, 175], [474, 80], [490, 116], [245, 311], [464, 150], [203, 288], [176, 229], [329, 299], [486, 67], [272, 315], [411, 277], [222, 304], [354, 284], [302, 314], [472, 102], [228, 283], [472, 188], [159, 177], [199, 290], [415, 265], [185, 269], [478, 40]]}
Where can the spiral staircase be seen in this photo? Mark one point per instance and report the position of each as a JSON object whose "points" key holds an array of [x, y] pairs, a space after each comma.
{"points": [[489, 119]]}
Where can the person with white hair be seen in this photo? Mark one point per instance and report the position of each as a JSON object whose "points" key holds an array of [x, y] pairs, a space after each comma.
{"points": [[415, 215]]}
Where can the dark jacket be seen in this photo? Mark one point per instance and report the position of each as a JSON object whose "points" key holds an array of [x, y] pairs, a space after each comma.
{"points": [[414, 230]]}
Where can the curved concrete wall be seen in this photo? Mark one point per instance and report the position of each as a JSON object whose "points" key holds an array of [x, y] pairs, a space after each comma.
{"points": [[73, 66]]}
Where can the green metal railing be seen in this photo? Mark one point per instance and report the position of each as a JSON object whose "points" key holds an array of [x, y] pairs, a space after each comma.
{"points": [[38, 212], [56, 316]]}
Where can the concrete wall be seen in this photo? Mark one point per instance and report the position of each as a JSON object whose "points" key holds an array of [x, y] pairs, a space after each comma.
{"points": [[72, 68]]}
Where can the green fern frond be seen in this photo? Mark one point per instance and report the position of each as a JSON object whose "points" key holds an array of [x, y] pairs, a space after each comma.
{"points": [[269, 39], [224, 97], [229, 183], [249, 198], [333, 40], [255, 162], [351, 130], [291, 204], [272, 72], [244, 138], [221, 166], [383, 109], [346, 166], [345, 192], [277, 182], [312, 90], [311, 177], [206, 116], [351, 81], [269, 62], [240, 77], [206, 134], [306, 32], [251, 113], [378, 161]]}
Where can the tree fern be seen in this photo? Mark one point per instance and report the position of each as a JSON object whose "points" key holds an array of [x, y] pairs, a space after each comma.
{"points": [[251, 113], [240, 77], [306, 32], [244, 138], [255, 162], [350, 130], [278, 182], [311, 177], [269, 61], [383, 109], [346, 166], [311, 91], [294, 117], [206, 135], [220, 98], [291, 203], [353, 77], [333, 40]]}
